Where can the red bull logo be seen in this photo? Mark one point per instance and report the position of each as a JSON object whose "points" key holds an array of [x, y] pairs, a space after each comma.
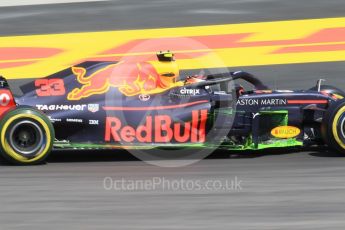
{"points": [[158, 129], [130, 78]]}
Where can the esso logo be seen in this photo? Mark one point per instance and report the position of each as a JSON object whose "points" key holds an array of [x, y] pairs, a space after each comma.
{"points": [[4, 99]]}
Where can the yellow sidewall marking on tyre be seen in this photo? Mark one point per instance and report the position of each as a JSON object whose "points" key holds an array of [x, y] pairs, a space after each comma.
{"points": [[334, 127], [10, 151]]}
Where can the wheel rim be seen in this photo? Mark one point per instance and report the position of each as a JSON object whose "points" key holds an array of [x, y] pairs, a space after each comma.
{"points": [[26, 138], [341, 126]]}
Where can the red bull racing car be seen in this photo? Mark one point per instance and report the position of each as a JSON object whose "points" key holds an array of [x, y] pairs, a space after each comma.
{"points": [[143, 105]]}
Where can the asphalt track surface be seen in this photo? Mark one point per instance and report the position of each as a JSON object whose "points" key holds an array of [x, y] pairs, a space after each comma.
{"points": [[279, 190]]}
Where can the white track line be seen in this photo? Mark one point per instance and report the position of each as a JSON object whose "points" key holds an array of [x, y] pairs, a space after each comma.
{"points": [[39, 2]]}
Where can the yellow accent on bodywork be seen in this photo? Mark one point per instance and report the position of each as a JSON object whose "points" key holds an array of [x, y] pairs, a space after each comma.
{"points": [[338, 96]]}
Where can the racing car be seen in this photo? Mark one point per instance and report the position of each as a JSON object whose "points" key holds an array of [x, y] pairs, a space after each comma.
{"points": [[147, 104]]}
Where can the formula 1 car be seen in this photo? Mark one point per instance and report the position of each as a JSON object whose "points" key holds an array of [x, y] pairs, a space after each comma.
{"points": [[141, 105]]}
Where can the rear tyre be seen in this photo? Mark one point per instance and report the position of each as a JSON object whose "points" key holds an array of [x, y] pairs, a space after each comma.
{"points": [[333, 126], [26, 136]]}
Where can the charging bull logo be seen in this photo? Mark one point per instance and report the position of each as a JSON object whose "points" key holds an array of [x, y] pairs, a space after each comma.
{"points": [[130, 78], [158, 129]]}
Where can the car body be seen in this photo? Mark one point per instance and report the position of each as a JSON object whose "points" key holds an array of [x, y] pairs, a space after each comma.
{"points": [[147, 104]]}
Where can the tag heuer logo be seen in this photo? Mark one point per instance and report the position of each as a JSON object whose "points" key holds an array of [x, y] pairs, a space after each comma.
{"points": [[93, 107]]}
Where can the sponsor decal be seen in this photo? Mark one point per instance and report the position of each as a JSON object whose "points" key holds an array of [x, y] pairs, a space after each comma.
{"points": [[93, 122], [130, 78], [93, 108], [144, 97], [61, 107], [5, 99], [54, 119], [50, 87], [74, 120], [273, 101], [261, 102], [158, 129], [285, 132], [191, 92]]}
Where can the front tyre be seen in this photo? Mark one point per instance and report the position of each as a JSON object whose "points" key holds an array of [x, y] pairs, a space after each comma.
{"points": [[333, 126], [26, 136]]}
